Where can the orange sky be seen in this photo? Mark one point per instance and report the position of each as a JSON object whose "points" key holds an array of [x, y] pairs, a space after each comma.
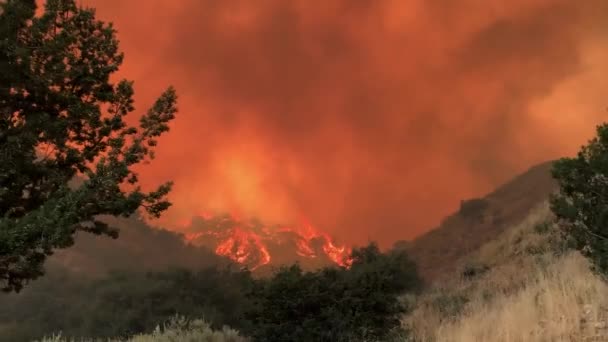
{"points": [[371, 119]]}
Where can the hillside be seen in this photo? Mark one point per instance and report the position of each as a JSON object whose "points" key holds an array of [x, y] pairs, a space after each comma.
{"points": [[480, 221], [435, 252], [138, 247], [505, 276], [522, 286]]}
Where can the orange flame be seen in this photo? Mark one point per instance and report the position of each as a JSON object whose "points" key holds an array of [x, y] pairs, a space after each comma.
{"points": [[307, 234], [249, 244], [240, 246]]}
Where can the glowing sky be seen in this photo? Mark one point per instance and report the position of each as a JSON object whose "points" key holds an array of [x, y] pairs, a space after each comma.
{"points": [[371, 119]]}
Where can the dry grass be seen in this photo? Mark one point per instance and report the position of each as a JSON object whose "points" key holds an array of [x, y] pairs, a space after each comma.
{"points": [[528, 294], [566, 302], [179, 329]]}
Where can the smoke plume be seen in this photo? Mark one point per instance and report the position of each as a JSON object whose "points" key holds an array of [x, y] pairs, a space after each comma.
{"points": [[370, 119]]}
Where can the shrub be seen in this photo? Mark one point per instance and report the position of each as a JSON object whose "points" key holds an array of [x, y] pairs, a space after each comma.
{"points": [[450, 305], [473, 270], [336, 304], [178, 329], [90, 308], [581, 205]]}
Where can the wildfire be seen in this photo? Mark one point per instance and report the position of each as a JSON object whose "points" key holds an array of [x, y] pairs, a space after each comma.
{"points": [[253, 244], [306, 235], [240, 246]]}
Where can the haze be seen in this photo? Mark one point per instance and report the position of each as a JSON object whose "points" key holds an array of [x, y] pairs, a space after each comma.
{"points": [[369, 119]]}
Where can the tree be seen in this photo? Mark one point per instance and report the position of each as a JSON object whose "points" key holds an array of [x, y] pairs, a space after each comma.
{"points": [[335, 304], [123, 303], [581, 205], [61, 117]]}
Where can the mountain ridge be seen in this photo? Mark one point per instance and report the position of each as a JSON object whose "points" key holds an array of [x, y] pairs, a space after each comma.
{"points": [[479, 221]]}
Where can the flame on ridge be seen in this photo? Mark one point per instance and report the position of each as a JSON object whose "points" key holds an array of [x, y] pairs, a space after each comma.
{"points": [[249, 243]]}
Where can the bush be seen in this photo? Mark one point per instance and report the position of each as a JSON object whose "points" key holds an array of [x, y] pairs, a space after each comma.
{"points": [[182, 330], [335, 304], [449, 305], [543, 228], [178, 329], [581, 206], [124, 303], [331, 304]]}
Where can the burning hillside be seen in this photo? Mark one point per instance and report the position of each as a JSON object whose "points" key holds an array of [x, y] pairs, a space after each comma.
{"points": [[254, 244]]}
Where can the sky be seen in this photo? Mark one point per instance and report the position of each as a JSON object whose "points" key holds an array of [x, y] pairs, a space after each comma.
{"points": [[370, 119]]}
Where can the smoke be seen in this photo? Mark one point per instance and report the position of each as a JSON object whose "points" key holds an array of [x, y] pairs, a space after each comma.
{"points": [[369, 119]]}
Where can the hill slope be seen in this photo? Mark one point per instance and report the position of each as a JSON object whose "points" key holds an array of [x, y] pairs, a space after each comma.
{"points": [[139, 247], [523, 286], [480, 221]]}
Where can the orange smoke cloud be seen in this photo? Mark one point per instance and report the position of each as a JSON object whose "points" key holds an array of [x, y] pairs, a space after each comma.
{"points": [[371, 119]]}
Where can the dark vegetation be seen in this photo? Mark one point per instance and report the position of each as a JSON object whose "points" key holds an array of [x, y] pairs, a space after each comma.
{"points": [[335, 304], [61, 117], [330, 304], [66, 168], [139, 247], [61, 120], [581, 206], [473, 270], [123, 303]]}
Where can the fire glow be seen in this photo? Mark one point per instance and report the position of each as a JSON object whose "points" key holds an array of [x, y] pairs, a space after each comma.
{"points": [[252, 244]]}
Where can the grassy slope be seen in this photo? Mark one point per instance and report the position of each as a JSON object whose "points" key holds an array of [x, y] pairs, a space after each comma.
{"points": [[532, 289], [438, 251]]}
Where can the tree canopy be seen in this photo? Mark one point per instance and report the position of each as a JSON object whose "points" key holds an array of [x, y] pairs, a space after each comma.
{"points": [[582, 203], [335, 304], [62, 117]]}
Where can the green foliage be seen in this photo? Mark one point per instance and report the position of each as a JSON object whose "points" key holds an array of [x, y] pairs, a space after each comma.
{"points": [[335, 304], [581, 206], [61, 117], [124, 303], [332, 304], [361, 303], [178, 329]]}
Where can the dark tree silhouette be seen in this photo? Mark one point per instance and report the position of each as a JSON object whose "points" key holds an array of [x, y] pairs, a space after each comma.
{"points": [[581, 206], [61, 117]]}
